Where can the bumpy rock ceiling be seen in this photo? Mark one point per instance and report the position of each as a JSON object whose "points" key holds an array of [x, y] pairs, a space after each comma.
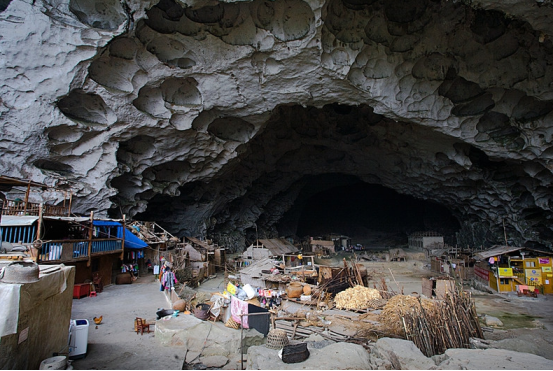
{"points": [[215, 118]]}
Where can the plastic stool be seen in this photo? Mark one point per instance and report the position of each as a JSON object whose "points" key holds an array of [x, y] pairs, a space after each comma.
{"points": [[92, 293]]}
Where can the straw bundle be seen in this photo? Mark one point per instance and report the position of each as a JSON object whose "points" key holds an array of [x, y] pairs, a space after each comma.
{"points": [[397, 307], [356, 298]]}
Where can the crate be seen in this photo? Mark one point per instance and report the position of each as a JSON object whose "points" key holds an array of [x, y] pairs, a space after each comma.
{"points": [[80, 290]]}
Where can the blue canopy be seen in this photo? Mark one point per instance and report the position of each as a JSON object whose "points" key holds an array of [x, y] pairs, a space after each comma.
{"points": [[131, 241], [108, 223]]}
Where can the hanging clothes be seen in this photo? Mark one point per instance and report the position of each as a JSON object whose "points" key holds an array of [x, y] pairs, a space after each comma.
{"points": [[169, 280], [262, 322], [238, 307]]}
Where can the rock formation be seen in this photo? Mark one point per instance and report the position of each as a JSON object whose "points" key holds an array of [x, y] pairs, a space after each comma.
{"points": [[216, 118]]}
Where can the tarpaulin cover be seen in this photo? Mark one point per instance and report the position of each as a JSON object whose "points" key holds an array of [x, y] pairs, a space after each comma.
{"points": [[107, 223], [14, 221], [131, 241]]}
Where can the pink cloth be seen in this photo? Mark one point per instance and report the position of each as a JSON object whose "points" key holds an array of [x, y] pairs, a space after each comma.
{"points": [[238, 307]]}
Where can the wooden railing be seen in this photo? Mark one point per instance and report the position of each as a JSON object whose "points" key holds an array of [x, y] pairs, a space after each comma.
{"points": [[31, 208], [70, 250]]}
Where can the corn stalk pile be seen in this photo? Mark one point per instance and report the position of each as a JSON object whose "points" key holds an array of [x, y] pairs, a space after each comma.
{"points": [[451, 323], [399, 306], [356, 298]]}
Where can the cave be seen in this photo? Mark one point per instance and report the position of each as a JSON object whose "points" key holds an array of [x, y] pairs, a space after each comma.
{"points": [[368, 213], [232, 120]]}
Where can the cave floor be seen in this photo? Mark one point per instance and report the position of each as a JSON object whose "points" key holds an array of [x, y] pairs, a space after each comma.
{"points": [[115, 345]]}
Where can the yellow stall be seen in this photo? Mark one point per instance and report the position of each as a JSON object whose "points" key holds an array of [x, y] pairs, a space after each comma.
{"points": [[546, 267], [503, 280], [520, 266]]}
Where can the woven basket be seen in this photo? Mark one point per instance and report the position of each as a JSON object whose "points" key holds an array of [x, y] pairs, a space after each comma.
{"points": [[232, 324], [277, 339]]}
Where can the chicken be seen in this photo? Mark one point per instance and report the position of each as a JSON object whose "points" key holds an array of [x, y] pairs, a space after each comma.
{"points": [[98, 320]]}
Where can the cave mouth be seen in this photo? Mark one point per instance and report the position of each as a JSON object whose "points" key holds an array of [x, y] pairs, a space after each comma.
{"points": [[370, 214]]}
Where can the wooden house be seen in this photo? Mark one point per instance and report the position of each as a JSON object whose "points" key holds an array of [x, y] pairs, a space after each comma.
{"points": [[50, 235], [322, 247], [269, 248]]}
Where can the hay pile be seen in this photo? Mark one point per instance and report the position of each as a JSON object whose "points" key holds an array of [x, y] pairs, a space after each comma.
{"points": [[357, 298], [397, 307]]}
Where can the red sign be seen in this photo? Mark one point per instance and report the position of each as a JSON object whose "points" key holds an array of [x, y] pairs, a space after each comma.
{"points": [[480, 272]]}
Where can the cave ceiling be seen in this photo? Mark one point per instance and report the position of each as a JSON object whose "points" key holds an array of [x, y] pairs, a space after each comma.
{"points": [[214, 118]]}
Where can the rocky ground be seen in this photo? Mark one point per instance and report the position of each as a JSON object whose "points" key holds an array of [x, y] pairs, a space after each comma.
{"points": [[527, 325]]}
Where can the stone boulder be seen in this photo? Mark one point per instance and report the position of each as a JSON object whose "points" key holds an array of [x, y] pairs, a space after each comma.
{"points": [[337, 356], [389, 353], [492, 321], [491, 359], [191, 332]]}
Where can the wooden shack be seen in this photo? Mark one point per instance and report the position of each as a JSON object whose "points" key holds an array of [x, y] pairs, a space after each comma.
{"points": [[322, 247], [512, 267], [269, 248], [421, 240], [206, 258], [437, 287]]}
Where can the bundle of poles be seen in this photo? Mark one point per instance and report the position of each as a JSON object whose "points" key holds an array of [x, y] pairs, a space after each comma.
{"points": [[449, 324]]}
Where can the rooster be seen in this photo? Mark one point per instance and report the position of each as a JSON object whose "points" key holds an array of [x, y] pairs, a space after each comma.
{"points": [[98, 320]]}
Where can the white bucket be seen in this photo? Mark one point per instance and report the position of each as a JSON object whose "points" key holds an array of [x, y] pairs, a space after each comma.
{"points": [[54, 363]]}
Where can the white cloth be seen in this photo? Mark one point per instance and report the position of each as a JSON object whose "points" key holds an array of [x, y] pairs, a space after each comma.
{"points": [[239, 307], [9, 308], [218, 302]]}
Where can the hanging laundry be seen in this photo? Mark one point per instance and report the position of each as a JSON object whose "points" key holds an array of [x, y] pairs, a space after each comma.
{"points": [[238, 307], [261, 322]]}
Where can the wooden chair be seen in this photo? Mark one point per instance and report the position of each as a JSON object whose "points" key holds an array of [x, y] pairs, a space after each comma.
{"points": [[141, 325], [97, 281]]}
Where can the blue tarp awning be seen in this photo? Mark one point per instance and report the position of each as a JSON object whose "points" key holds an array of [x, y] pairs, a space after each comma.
{"points": [[131, 241], [106, 223]]}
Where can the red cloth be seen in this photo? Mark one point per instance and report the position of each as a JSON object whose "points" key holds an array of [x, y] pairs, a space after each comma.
{"points": [[238, 307]]}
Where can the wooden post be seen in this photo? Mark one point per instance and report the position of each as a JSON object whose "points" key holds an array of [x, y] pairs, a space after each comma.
{"points": [[38, 228], [27, 197], [123, 242], [91, 229], [70, 201], [505, 233], [241, 342], [39, 223]]}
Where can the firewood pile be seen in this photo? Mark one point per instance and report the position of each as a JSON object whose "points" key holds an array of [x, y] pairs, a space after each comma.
{"points": [[296, 330], [399, 306], [357, 298], [451, 324]]}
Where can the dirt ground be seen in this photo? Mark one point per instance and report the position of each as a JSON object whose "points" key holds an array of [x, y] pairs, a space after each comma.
{"points": [[114, 345]]}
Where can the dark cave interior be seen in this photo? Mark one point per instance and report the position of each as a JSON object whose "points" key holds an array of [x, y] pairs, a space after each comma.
{"points": [[366, 211]]}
